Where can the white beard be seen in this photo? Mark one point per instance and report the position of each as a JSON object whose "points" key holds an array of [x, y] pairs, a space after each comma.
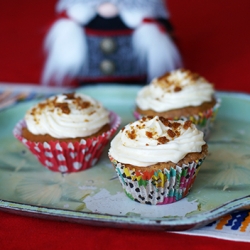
{"points": [[67, 52], [67, 48], [155, 50]]}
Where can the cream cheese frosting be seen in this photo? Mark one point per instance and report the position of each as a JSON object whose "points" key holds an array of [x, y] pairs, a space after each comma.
{"points": [[152, 139], [67, 116], [177, 89]]}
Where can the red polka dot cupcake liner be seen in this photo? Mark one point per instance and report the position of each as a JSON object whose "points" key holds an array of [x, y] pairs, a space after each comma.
{"points": [[69, 157], [159, 187]]}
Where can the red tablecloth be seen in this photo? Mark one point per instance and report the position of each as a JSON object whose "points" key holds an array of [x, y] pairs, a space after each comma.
{"points": [[214, 40]]}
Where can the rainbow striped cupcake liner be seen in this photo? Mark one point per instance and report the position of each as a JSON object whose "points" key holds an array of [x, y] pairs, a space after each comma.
{"points": [[157, 187]]}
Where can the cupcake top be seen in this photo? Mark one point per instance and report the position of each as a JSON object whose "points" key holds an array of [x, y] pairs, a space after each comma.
{"points": [[155, 139], [67, 116], [178, 89]]}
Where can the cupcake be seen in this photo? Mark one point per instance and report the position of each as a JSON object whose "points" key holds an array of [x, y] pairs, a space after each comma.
{"points": [[67, 132], [157, 160], [179, 95]]}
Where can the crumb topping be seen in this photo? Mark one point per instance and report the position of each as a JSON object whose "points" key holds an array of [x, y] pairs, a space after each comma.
{"points": [[177, 88], [163, 140], [171, 130], [132, 133], [63, 107], [149, 134], [187, 124], [70, 96], [52, 105], [175, 81], [171, 133]]}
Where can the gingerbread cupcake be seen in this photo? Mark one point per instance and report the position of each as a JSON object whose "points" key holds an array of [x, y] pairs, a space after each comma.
{"points": [[179, 95], [157, 160], [67, 132]]}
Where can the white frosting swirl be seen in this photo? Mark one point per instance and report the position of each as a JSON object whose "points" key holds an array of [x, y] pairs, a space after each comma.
{"points": [[177, 89], [151, 140], [67, 116]]}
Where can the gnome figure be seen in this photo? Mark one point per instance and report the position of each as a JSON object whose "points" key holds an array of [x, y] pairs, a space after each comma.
{"points": [[109, 41]]}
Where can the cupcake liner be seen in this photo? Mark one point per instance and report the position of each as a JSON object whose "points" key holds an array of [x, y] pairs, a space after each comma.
{"points": [[157, 187], [203, 121], [68, 157]]}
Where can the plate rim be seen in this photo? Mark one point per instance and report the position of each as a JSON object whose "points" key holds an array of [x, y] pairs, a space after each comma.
{"points": [[123, 221]]}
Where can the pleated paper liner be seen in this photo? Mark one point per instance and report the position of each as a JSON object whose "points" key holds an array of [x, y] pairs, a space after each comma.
{"points": [[157, 187], [68, 157]]}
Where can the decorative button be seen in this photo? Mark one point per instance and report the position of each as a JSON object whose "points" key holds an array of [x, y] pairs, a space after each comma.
{"points": [[108, 45], [107, 67]]}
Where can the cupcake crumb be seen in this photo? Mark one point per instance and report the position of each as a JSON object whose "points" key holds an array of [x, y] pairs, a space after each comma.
{"points": [[163, 140], [171, 133], [187, 124]]}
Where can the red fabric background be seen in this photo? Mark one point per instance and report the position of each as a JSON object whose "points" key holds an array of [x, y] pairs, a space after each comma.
{"points": [[213, 37], [214, 40]]}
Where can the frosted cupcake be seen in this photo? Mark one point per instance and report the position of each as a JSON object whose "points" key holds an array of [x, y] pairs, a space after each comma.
{"points": [[180, 94], [67, 132], [157, 160]]}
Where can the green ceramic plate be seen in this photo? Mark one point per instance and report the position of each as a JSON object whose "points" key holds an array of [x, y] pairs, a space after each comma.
{"points": [[95, 196]]}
